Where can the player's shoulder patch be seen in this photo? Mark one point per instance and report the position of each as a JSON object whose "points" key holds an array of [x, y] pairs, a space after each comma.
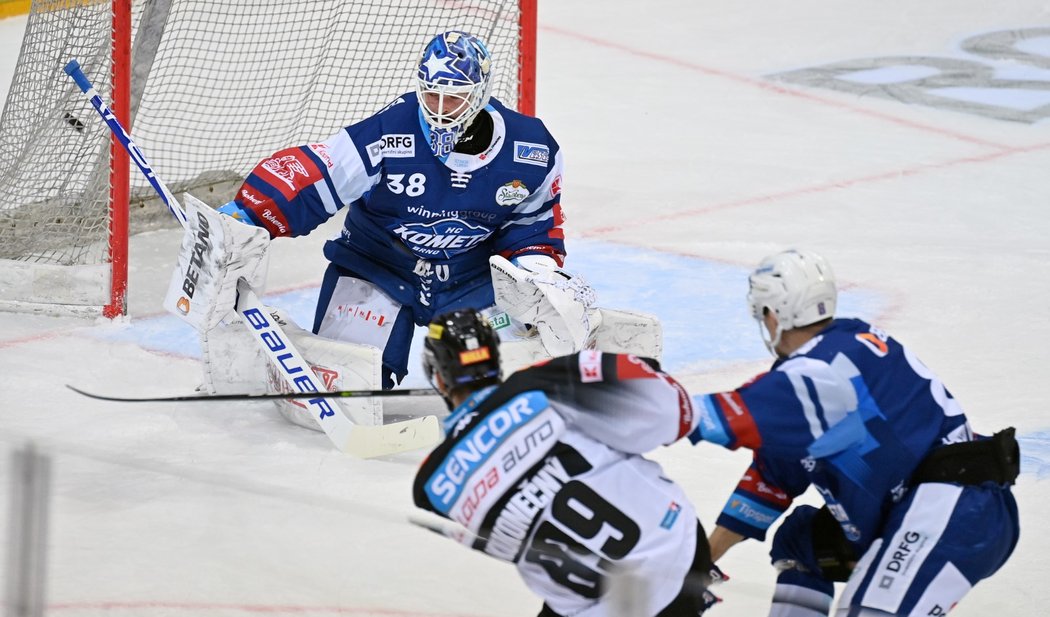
{"points": [[531, 153]]}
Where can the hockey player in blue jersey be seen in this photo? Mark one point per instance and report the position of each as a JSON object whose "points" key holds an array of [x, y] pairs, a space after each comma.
{"points": [[918, 508], [435, 184]]}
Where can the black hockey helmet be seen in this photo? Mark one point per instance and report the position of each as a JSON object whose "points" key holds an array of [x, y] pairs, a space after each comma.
{"points": [[462, 348]]}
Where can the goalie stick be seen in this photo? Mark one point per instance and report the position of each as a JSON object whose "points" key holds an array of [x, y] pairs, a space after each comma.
{"points": [[359, 440]]}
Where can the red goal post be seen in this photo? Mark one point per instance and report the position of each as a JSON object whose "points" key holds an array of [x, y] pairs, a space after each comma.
{"points": [[208, 87]]}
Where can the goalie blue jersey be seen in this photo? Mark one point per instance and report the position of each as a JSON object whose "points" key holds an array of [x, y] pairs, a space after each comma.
{"points": [[852, 412], [419, 226]]}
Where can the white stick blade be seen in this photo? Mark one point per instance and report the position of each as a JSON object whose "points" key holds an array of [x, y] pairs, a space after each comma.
{"points": [[373, 441]]}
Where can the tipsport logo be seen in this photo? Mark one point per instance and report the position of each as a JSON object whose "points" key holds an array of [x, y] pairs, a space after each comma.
{"points": [[442, 238], [345, 312]]}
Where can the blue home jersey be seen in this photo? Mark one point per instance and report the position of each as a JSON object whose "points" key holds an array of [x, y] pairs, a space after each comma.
{"points": [[852, 412], [418, 226]]}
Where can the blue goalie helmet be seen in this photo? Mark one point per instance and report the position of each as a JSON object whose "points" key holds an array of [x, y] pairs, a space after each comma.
{"points": [[453, 83]]}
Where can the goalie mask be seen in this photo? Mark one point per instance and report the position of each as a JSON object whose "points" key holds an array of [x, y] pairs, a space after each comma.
{"points": [[462, 348], [797, 286], [453, 82]]}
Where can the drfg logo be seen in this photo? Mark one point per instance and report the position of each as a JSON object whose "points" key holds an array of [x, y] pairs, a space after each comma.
{"points": [[1006, 79], [391, 146], [898, 558], [286, 168]]}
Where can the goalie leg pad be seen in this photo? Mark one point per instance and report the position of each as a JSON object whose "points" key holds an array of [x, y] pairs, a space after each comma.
{"points": [[615, 332], [341, 366], [355, 310], [627, 332], [233, 362], [517, 354]]}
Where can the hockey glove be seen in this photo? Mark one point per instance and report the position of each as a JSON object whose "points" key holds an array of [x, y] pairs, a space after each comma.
{"points": [[539, 293], [215, 253]]}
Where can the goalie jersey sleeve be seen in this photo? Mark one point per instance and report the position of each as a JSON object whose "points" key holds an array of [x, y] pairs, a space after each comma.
{"points": [[522, 461], [852, 412]]}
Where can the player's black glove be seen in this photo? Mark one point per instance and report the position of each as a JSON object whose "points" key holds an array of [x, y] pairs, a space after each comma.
{"points": [[710, 599]]}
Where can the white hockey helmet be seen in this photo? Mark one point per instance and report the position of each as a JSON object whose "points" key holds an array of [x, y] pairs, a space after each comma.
{"points": [[454, 74], [798, 286]]}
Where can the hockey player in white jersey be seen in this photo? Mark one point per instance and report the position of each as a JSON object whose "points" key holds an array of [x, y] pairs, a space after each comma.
{"points": [[545, 470], [918, 508]]}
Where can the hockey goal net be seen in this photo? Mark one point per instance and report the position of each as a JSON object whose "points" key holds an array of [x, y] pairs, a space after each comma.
{"points": [[210, 87]]}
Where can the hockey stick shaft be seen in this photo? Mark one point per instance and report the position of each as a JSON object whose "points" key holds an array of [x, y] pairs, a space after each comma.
{"points": [[73, 69], [197, 398], [360, 440]]}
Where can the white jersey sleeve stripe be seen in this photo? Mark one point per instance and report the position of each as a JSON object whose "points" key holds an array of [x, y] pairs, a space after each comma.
{"points": [[797, 378], [330, 206], [530, 220], [349, 176]]}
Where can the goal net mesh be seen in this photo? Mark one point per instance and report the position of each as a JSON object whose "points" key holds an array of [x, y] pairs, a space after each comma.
{"points": [[216, 86]]}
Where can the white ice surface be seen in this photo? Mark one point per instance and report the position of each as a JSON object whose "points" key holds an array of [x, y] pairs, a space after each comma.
{"points": [[684, 166]]}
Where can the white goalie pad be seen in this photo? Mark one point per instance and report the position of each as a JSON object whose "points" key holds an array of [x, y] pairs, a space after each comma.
{"points": [[554, 302], [517, 354], [233, 362], [614, 332], [627, 332], [216, 251]]}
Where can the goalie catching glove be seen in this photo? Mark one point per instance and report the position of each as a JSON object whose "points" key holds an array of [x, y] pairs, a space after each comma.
{"points": [[217, 250], [533, 290]]}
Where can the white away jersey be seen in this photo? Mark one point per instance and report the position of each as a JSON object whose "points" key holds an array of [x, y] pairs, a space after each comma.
{"points": [[545, 471]]}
